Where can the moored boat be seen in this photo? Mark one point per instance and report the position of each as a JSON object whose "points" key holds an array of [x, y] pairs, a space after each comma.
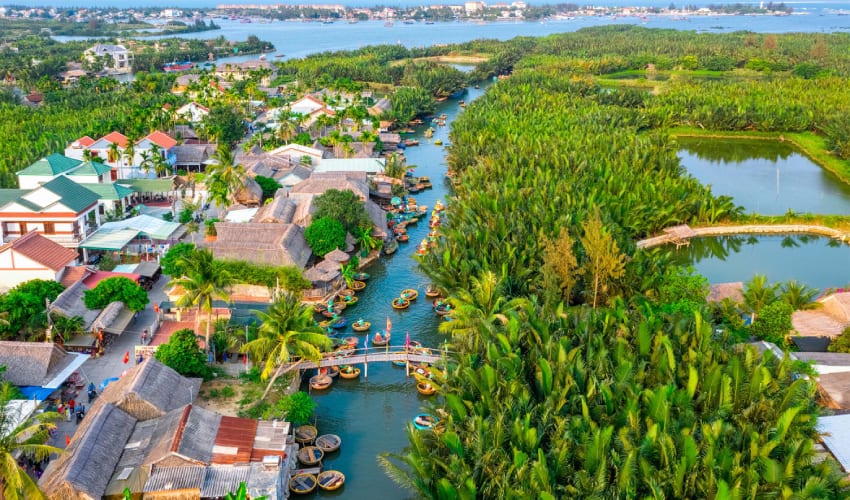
{"points": [[413, 346], [175, 66], [426, 182], [409, 294], [331, 480], [424, 421], [361, 276], [358, 285], [310, 455], [360, 325], [305, 434], [303, 483], [390, 246], [400, 362], [402, 238], [348, 292], [438, 142], [352, 342], [349, 372], [400, 303], [331, 371], [380, 339], [350, 300], [442, 309], [411, 142], [319, 308], [431, 291], [339, 324], [328, 443], [320, 382], [425, 388], [439, 207]]}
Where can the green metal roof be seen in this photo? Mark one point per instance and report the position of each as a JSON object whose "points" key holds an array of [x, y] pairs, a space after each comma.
{"points": [[110, 240], [54, 164], [93, 168], [110, 191], [10, 195], [153, 227], [73, 195], [149, 185]]}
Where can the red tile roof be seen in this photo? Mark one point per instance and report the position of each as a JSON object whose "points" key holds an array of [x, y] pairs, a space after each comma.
{"points": [[117, 138], [234, 441], [74, 274], [85, 141], [99, 276], [161, 139], [46, 252]]}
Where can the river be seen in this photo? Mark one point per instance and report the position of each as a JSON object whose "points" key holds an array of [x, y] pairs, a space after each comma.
{"points": [[371, 414]]}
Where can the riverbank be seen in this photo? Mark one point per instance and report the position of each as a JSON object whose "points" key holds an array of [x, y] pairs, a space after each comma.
{"points": [[681, 234], [810, 145]]}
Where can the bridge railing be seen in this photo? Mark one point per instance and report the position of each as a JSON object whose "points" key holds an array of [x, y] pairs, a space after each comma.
{"points": [[365, 355]]}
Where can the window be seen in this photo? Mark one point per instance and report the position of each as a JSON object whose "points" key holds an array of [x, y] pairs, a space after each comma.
{"points": [[49, 228]]}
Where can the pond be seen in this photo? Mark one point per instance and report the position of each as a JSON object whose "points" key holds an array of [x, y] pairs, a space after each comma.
{"points": [[765, 177], [816, 261]]}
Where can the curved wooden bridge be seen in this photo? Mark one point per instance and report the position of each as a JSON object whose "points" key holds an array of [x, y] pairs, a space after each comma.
{"points": [[680, 235], [366, 355]]}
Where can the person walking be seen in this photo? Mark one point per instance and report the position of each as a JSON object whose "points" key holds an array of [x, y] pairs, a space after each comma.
{"points": [[144, 337]]}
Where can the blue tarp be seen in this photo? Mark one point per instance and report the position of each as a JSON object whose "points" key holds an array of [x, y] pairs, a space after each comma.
{"points": [[40, 393]]}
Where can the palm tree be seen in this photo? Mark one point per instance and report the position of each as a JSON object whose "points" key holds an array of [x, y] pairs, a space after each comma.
{"points": [[395, 166], [130, 154], [287, 332], [225, 178], [757, 294], [363, 237], [26, 437], [203, 281], [799, 295], [113, 154], [287, 130], [147, 161]]}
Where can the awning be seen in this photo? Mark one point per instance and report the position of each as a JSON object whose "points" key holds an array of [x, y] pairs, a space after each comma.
{"points": [[120, 323], [114, 240], [147, 269], [59, 379], [35, 391]]}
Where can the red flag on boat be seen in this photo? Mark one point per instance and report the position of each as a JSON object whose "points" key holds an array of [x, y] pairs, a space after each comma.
{"points": [[389, 325]]}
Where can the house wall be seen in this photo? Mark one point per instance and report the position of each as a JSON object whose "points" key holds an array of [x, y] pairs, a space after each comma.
{"points": [[33, 181], [87, 179], [16, 268]]}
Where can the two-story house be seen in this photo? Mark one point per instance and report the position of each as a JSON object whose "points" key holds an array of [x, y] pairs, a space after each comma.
{"points": [[155, 143], [112, 57], [192, 112]]}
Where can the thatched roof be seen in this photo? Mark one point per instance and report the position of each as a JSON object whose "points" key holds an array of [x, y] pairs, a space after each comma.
{"points": [[338, 256], [184, 482], [108, 315], [680, 232], [378, 216], [150, 390], [250, 194], [33, 363], [183, 436], [318, 274], [719, 291], [267, 165], [70, 303], [319, 183], [280, 210], [836, 359], [275, 244], [835, 390], [84, 469]]}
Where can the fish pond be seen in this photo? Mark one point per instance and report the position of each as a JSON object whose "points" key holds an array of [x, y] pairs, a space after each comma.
{"points": [[816, 261], [765, 177]]}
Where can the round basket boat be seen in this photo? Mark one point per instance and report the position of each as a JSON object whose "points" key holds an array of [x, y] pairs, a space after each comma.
{"points": [[347, 292], [413, 346], [324, 324], [332, 313], [352, 341], [409, 294], [319, 308], [402, 238], [400, 362], [328, 443], [303, 483], [423, 421], [400, 303], [380, 340], [361, 276], [432, 292], [339, 323], [340, 304], [349, 372], [332, 371], [310, 455], [331, 480], [320, 382], [358, 285], [305, 434], [361, 326], [442, 309], [424, 388]]}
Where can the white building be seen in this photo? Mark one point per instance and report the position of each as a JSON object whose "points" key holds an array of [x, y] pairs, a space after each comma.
{"points": [[116, 57]]}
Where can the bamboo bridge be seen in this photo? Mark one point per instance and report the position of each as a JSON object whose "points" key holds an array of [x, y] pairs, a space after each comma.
{"points": [[680, 235], [366, 355]]}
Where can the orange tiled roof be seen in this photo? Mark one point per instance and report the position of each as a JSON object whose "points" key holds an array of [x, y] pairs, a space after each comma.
{"points": [[117, 138], [46, 252], [161, 139]]}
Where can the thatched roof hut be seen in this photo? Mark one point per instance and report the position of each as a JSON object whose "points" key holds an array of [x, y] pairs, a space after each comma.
{"points": [[36, 363], [834, 390], [83, 470], [108, 315], [733, 291], [250, 194], [150, 390], [274, 244], [70, 303], [280, 210], [338, 256]]}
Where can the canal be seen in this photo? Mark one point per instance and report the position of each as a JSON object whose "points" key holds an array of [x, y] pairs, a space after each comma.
{"points": [[371, 415]]}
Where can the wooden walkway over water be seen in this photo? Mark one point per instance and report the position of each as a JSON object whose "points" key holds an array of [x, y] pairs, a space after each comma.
{"points": [[679, 235], [365, 355]]}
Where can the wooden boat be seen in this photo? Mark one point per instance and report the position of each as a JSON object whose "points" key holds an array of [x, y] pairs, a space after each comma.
{"points": [[320, 382], [390, 247], [461, 104], [380, 339], [361, 276], [432, 291], [425, 388], [400, 362], [328, 443], [331, 480], [303, 483], [310, 455], [414, 345], [402, 238], [422, 371], [331, 371], [438, 142], [324, 325], [349, 372], [305, 434], [332, 313], [358, 285], [348, 292], [439, 207], [423, 421], [319, 308], [429, 133], [411, 142], [409, 294], [350, 300], [352, 341], [361, 326], [442, 309], [400, 303], [339, 324], [426, 182], [422, 250]]}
